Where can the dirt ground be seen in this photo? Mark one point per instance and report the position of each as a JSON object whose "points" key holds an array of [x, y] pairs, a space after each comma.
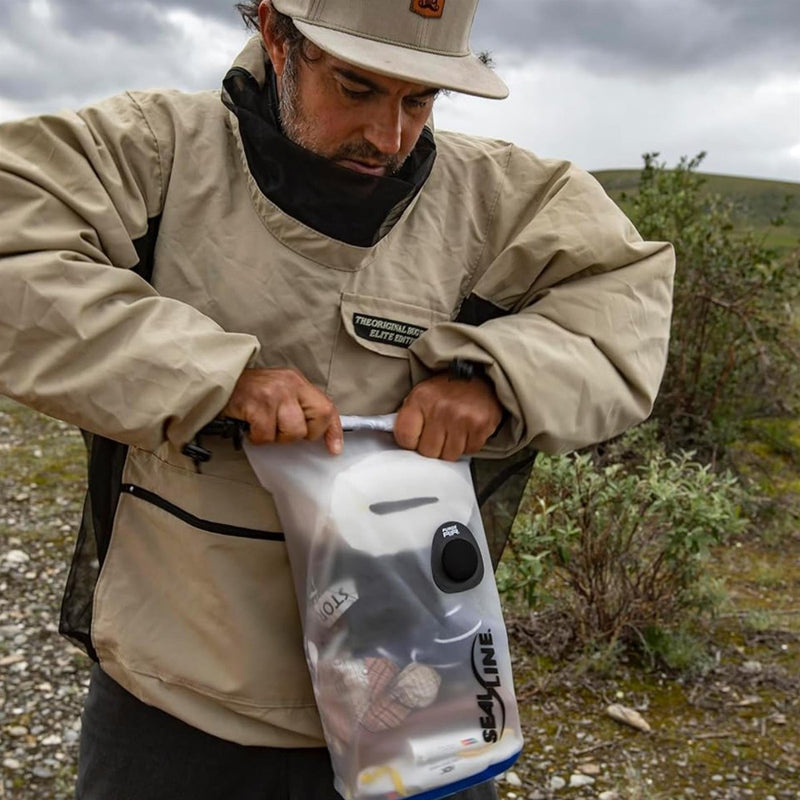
{"points": [[729, 732]]}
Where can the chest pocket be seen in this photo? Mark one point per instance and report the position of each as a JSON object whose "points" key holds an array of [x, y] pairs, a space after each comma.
{"points": [[370, 369]]}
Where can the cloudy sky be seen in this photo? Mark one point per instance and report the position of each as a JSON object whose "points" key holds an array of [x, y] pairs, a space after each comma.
{"points": [[597, 81]]}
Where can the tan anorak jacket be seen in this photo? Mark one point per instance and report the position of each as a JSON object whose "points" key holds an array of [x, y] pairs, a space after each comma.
{"points": [[203, 622]]}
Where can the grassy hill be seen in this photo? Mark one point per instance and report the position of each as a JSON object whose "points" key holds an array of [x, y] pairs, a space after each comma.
{"points": [[757, 201]]}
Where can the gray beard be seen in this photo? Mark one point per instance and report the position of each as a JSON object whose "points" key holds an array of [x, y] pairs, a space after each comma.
{"points": [[294, 126]]}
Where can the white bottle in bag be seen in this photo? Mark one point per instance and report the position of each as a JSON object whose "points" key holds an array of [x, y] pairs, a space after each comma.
{"points": [[402, 623]]}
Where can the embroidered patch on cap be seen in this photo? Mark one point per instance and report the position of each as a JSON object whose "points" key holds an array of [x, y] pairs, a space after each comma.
{"points": [[428, 8], [388, 331]]}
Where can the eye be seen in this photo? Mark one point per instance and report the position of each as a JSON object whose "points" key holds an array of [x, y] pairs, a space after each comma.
{"points": [[418, 102], [355, 94], [424, 101]]}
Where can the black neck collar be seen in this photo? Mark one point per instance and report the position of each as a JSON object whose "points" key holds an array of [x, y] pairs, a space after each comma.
{"points": [[335, 201]]}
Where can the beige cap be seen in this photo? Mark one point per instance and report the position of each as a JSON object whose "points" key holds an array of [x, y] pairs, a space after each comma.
{"points": [[424, 41]]}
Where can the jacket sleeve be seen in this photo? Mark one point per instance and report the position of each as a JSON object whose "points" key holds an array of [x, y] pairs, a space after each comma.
{"points": [[577, 334], [82, 336]]}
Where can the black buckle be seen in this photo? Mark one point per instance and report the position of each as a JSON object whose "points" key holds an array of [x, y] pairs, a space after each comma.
{"points": [[226, 427]]}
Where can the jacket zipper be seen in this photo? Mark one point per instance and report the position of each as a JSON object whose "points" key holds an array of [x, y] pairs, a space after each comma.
{"points": [[197, 522]]}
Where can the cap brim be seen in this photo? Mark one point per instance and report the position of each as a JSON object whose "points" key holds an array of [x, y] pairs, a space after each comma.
{"points": [[467, 74]]}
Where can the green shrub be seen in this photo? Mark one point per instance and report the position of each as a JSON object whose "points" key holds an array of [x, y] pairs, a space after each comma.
{"points": [[735, 343], [618, 545]]}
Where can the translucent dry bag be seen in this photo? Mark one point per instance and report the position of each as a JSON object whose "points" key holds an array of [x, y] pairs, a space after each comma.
{"points": [[403, 629]]}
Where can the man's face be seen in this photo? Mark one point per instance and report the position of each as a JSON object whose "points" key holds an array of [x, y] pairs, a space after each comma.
{"points": [[359, 119]]}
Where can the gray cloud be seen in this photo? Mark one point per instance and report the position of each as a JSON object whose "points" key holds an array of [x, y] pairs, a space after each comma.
{"points": [[136, 21], [575, 63], [65, 49], [648, 35]]}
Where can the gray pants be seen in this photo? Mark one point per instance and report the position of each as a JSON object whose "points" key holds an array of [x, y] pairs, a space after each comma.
{"points": [[131, 751]]}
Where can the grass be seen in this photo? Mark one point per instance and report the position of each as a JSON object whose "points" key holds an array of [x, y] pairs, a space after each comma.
{"points": [[42, 472]]}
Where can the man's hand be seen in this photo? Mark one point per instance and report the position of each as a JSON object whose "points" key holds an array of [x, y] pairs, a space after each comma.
{"points": [[445, 418], [281, 405]]}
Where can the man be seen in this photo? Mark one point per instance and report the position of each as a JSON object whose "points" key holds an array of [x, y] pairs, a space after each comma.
{"points": [[305, 248]]}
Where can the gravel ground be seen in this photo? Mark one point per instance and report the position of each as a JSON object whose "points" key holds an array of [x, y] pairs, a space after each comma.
{"points": [[42, 677], [731, 735]]}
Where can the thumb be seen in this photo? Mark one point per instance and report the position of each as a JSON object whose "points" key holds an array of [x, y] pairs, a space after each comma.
{"points": [[334, 438]]}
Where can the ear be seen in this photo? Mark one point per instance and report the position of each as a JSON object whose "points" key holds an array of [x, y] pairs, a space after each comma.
{"points": [[277, 49]]}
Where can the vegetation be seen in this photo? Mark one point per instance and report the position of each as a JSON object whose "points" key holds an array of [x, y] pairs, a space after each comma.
{"points": [[614, 541], [619, 542], [755, 204], [735, 348]]}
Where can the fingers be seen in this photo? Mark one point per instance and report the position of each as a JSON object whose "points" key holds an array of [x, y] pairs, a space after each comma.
{"points": [[290, 421], [453, 447], [440, 417], [263, 428], [281, 405], [334, 438], [449, 441], [447, 419], [408, 425], [321, 419], [439, 441]]}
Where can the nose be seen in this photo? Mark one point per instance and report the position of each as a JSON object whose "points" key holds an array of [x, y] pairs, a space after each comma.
{"points": [[385, 129]]}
